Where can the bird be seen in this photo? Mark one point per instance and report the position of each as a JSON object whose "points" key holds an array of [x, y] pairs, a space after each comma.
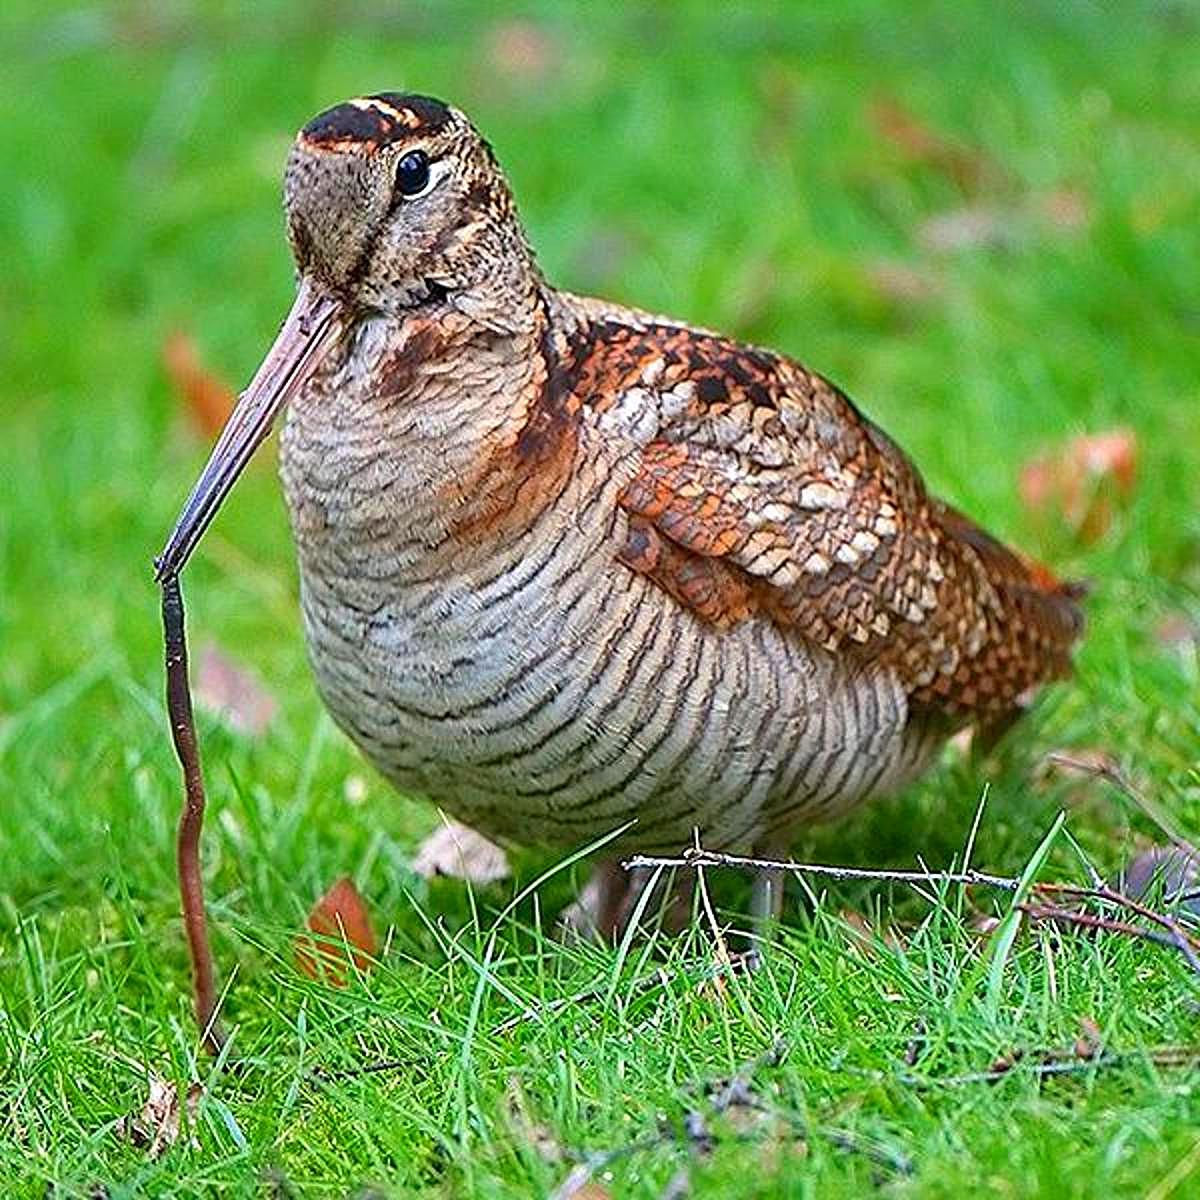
{"points": [[571, 570]]}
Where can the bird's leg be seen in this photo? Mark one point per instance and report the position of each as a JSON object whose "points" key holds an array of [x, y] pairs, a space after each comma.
{"points": [[596, 911], [612, 896], [677, 910], [766, 903], [766, 897], [672, 896]]}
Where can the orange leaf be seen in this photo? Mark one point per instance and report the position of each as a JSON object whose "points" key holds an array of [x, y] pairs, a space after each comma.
{"points": [[343, 935], [918, 141], [207, 399], [1083, 481]]}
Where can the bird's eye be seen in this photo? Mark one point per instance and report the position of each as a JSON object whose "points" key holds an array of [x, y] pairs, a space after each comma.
{"points": [[412, 173]]}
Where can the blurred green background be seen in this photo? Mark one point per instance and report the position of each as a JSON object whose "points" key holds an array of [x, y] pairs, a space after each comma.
{"points": [[983, 221]]}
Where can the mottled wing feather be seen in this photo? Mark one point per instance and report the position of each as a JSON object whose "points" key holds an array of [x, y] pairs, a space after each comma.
{"points": [[762, 489]]}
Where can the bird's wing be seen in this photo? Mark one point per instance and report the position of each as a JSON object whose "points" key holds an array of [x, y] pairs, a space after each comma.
{"points": [[762, 490]]}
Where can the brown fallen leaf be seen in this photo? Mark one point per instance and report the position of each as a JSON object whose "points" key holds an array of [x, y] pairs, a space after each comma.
{"points": [[207, 399], [342, 935], [157, 1126], [457, 851], [234, 693], [1083, 481], [920, 142]]}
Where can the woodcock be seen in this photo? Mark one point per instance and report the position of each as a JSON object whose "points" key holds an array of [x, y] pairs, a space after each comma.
{"points": [[566, 565]]}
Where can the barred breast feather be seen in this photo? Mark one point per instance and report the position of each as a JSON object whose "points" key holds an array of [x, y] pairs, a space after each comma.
{"points": [[629, 571]]}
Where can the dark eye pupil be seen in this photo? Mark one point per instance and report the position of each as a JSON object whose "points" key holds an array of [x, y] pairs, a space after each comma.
{"points": [[412, 174]]}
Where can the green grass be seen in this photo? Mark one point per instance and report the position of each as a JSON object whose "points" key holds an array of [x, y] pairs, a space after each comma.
{"points": [[725, 168]]}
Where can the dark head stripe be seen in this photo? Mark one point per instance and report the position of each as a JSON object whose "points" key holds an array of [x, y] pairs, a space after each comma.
{"points": [[418, 112], [376, 120]]}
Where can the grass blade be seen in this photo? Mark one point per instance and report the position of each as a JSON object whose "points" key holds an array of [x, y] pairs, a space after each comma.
{"points": [[1006, 932]]}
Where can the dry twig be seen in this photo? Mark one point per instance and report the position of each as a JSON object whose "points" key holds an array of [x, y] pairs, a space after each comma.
{"points": [[1172, 933], [696, 857], [1084, 1057], [722, 1095], [1104, 768]]}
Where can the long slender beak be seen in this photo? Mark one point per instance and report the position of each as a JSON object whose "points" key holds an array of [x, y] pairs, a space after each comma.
{"points": [[311, 329]]}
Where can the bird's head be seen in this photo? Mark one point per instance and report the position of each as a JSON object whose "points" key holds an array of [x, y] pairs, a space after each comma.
{"points": [[393, 200], [394, 203]]}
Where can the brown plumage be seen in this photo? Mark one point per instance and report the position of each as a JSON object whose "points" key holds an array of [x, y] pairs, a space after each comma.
{"points": [[567, 566]]}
